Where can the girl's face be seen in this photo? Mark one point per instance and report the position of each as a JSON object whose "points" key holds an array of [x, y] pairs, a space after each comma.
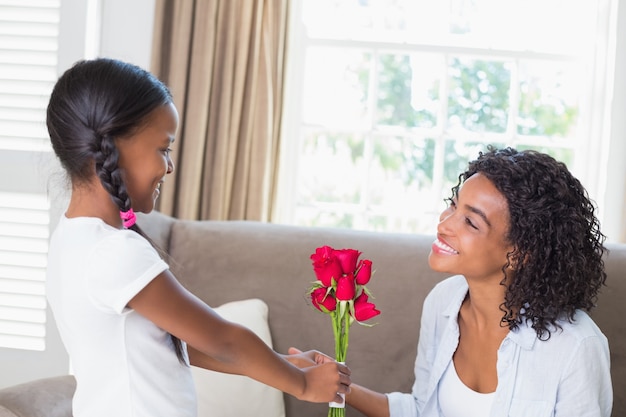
{"points": [[471, 235], [145, 157]]}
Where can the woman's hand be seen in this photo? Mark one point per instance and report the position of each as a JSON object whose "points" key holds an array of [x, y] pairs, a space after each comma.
{"points": [[306, 359]]}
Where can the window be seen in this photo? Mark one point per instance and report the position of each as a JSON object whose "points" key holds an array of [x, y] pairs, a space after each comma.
{"points": [[396, 96], [28, 59]]}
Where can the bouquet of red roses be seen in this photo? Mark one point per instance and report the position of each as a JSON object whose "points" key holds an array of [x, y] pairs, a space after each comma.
{"points": [[340, 291]]}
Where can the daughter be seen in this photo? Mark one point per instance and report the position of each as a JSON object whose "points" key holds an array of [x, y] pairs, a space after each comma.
{"points": [[130, 328]]}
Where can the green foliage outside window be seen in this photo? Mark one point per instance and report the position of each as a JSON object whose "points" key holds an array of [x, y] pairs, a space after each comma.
{"points": [[395, 156]]}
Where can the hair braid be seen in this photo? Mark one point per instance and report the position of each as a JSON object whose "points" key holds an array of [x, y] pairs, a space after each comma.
{"points": [[109, 173]]}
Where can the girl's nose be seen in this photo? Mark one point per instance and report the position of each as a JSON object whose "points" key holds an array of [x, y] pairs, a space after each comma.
{"points": [[170, 166]]}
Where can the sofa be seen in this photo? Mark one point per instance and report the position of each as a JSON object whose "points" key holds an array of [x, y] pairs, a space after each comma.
{"points": [[227, 262]]}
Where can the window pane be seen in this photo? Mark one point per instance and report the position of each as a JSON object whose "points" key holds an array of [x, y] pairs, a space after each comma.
{"points": [[330, 168], [479, 95], [457, 155], [546, 26], [408, 89], [401, 183], [335, 87], [372, 20], [548, 99], [401, 167], [564, 155]]}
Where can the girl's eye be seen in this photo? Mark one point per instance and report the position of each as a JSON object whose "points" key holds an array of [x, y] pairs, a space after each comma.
{"points": [[167, 151]]}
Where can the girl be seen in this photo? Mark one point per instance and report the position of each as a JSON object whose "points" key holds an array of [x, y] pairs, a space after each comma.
{"points": [[130, 328], [508, 334]]}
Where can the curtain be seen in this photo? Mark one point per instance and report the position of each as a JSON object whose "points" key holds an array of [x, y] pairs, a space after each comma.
{"points": [[223, 61]]}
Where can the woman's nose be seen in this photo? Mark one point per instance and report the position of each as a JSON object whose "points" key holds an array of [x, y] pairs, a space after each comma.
{"points": [[444, 220], [170, 166]]}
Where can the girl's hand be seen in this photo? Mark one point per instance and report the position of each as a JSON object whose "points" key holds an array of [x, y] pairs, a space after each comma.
{"points": [[325, 382]]}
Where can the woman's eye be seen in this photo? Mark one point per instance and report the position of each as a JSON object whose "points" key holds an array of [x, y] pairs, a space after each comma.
{"points": [[469, 222]]}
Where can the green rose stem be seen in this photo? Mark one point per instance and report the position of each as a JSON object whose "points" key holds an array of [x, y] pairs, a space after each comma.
{"points": [[341, 328]]}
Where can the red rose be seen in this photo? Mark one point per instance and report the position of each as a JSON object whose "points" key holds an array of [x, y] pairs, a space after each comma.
{"points": [[326, 265], [363, 310], [346, 288], [347, 258], [365, 272], [322, 301]]}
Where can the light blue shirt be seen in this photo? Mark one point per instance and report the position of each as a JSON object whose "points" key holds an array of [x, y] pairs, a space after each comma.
{"points": [[565, 376]]}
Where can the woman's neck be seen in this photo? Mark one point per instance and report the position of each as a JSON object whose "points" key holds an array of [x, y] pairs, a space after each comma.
{"points": [[482, 305]]}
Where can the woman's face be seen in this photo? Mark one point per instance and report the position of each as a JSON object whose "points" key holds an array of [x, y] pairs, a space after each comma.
{"points": [[471, 235], [145, 157]]}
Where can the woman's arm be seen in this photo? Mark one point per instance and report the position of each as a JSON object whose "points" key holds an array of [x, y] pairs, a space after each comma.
{"points": [[368, 402], [227, 347]]}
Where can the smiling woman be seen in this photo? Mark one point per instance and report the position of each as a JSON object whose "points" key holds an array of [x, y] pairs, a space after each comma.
{"points": [[509, 331]]}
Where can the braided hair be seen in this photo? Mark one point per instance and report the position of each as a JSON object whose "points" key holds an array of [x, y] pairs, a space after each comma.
{"points": [[92, 104], [557, 264]]}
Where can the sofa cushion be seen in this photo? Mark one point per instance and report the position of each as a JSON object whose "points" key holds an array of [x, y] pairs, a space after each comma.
{"points": [[47, 397], [227, 395]]}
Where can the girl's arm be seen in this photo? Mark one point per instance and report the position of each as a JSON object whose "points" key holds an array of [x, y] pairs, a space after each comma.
{"points": [[218, 344]]}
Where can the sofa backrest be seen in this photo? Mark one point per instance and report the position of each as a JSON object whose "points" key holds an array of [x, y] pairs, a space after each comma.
{"points": [[233, 260]]}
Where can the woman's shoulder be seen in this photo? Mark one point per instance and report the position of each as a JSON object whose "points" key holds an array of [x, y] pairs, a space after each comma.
{"points": [[568, 334], [580, 327]]}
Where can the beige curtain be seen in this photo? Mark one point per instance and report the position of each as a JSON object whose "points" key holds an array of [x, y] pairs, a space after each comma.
{"points": [[223, 60]]}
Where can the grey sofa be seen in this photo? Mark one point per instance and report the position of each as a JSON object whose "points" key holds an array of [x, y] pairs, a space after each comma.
{"points": [[234, 260]]}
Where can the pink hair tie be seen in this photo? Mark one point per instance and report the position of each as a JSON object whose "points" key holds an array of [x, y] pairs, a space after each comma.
{"points": [[128, 217]]}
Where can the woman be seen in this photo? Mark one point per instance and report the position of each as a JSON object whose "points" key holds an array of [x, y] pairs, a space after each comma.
{"points": [[508, 334]]}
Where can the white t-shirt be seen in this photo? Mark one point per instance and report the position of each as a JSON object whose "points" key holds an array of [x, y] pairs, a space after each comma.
{"points": [[458, 400], [124, 364]]}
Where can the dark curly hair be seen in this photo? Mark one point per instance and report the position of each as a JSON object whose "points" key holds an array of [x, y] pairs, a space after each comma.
{"points": [[92, 104], [557, 264]]}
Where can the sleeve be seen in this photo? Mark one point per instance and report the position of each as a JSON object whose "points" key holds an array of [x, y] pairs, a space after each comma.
{"points": [[121, 265], [585, 389]]}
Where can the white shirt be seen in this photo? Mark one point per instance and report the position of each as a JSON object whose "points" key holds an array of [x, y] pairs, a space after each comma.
{"points": [[566, 376], [458, 400], [124, 364]]}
